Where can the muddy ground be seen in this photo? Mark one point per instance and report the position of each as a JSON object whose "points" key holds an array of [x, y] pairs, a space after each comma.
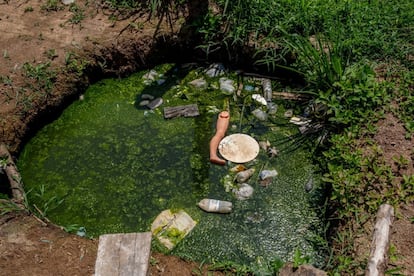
{"points": [[36, 34]]}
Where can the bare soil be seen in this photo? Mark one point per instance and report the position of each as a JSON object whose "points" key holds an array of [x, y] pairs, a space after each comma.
{"points": [[30, 34]]}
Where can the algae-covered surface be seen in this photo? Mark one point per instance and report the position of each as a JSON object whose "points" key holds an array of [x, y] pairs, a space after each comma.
{"points": [[110, 165]]}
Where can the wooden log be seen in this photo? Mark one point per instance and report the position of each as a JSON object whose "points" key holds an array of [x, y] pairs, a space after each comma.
{"points": [[13, 175], [377, 262], [190, 110], [123, 254]]}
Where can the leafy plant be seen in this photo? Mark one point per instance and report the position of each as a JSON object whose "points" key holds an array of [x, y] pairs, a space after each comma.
{"points": [[78, 14], [299, 259], [8, 206], [41, 77], [52, 5]]}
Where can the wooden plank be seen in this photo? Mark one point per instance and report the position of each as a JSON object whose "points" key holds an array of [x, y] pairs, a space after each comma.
{"points": [[123, 254], [190, 110], [378, 258]]}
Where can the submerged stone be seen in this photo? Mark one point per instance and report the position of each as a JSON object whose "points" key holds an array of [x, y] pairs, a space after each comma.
{"points": [[155, 103]]}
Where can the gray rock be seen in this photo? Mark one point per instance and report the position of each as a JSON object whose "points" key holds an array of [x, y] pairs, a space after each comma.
{"points": [[155, 103], [200, 83], [227, 86]]}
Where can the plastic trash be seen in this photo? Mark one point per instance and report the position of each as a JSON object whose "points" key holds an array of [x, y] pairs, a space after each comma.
{"points": [[199, 83], [215, 70], [271, 108], [267, 89], [260, 114], [260, 99], [243, 176], [215, 205], [243, 192], [267, 174], [227, 86]]}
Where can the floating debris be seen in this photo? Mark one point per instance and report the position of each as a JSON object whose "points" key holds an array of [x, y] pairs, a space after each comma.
{"points": [[147, 97], [299, 121], [167, 225], [239, 148], [213, 109], [248, 88], [215, 205], [260, 99], [144, 103], [227, 86], [266, 182], [309, 185], [267, 89], [243, 176], [267, 174], [260, 114], [243, 192], [150, 77], [238, 168], [264, 145], [271, 108], [288, 113], [272, 152], [215, 70]]}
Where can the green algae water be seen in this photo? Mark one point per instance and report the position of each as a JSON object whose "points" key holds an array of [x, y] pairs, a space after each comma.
{"points": [[109, 165]]}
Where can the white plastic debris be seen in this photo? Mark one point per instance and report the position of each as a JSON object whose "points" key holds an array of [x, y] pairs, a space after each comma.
{"points": [[259, 98], [227, 86]]}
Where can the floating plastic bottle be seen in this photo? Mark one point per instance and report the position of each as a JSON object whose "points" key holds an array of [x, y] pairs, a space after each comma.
{"points": [[267, 89], [215, 205]]}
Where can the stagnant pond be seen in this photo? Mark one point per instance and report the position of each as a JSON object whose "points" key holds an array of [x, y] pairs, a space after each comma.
{"points": [[109, 164]]}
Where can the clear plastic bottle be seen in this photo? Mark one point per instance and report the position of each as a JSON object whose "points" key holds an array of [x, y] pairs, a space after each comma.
{"points": [[215, 205]]}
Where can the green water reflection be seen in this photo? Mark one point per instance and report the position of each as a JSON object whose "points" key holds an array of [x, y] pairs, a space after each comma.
{"points": [[117, 166]]}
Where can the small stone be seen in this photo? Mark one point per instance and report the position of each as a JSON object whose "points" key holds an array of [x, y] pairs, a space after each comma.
{"points": [[288, 113], [155, 103], [144, 103], [68, 2], [200, 83]]}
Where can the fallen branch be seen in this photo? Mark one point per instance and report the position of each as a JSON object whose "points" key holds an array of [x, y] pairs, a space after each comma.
{"points": [[377, 262], [15, 180]]}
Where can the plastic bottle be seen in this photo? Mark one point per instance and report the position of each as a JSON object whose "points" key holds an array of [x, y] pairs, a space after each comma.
{"points": [[215, 205], [267, 89]]}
